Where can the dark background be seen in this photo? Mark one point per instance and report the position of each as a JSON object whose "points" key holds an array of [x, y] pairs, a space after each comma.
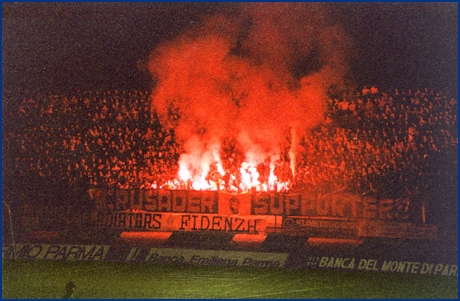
{"points": [[68, 46]]}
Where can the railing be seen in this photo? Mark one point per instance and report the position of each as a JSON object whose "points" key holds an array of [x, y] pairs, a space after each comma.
{"points": [[11, 228]]}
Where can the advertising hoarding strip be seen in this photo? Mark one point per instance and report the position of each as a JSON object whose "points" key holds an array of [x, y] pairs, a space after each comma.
{"points": [[143, 255], [222, 258]]}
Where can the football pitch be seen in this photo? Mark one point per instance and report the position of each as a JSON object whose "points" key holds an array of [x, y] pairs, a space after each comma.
{"points": [[47, 279]]}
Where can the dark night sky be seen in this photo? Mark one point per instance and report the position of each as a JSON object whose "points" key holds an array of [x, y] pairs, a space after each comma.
{"points": [[60, 46]]}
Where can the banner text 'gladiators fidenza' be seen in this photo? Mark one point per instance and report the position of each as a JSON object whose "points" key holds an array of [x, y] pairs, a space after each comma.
{"points": [[185, 210]]}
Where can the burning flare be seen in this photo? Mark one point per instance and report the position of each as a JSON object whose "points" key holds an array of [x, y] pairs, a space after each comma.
{"points": [[239, 90]]}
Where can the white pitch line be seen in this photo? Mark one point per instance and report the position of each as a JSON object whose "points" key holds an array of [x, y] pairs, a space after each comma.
{"points": [[293, 291]]}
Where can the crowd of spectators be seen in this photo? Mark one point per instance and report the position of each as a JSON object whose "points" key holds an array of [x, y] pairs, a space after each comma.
{"points": [[110, 138], [381, 143], [370, 142]]}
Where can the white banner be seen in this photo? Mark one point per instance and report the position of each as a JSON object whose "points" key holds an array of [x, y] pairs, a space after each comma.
{"points": [[373, 228], [210, 257], [378, 265], [55, 252]]}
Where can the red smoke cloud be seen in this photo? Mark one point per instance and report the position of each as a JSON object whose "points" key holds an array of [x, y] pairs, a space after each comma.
{"points": [[255, 77]]}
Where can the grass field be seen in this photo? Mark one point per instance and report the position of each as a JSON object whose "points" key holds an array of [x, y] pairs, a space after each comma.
{"points": [[47, 279]]}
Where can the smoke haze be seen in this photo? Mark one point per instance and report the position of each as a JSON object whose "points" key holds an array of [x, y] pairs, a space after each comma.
{"points": [[256, 76]]}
